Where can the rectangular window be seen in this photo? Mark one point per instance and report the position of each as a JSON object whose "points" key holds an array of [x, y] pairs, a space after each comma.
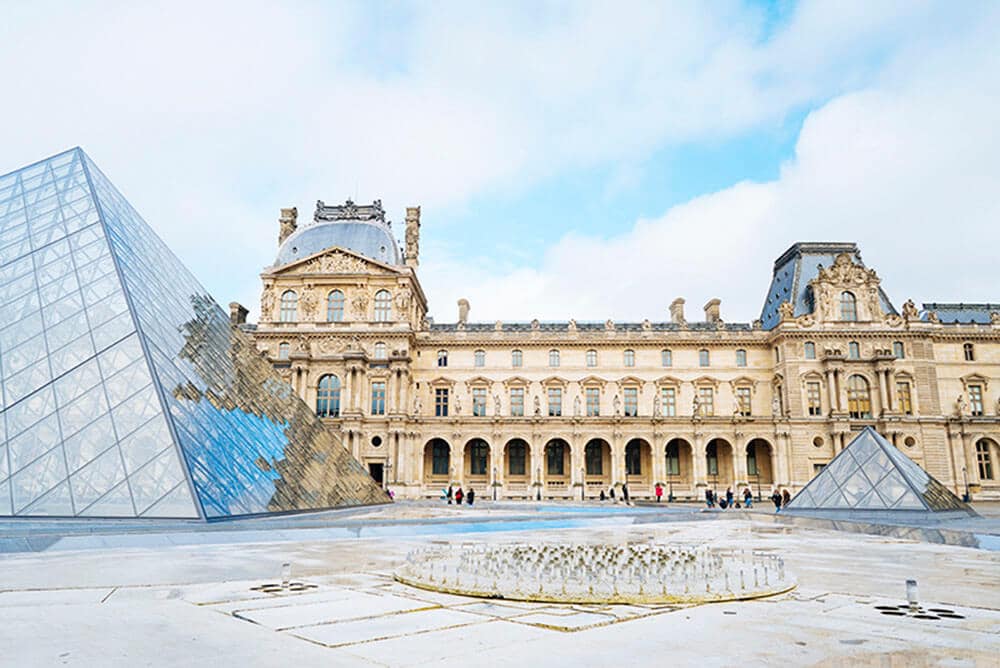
{"points": [[517, 401], [591, 358], [903, 398], [478, 458], [554, 460], [752, 461], [442, 358], [984, 460], [555, 401], [702, 358], [815, 405], [976, 400], [441, 402], [712, 461], [595, 459], [439, 459], [593, 401], [669, 396], [853, 350], [706, 401], [898, 351], [553, 358], [480, 358], [479, 401], [741, 358], [631, 401], [810, 350], [743, 403], [378, 398], [516, 358], [629, 358], [666, 358], [515, 457], [673, 461]]}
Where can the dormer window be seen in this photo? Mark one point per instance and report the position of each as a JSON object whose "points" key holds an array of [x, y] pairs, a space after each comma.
{"points": [[848, 306]]}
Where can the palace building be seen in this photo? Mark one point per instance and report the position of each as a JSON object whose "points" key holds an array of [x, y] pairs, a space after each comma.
{"points": [[568, 409]]}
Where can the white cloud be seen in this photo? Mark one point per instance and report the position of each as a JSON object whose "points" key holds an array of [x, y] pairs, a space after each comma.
{"points": [[906, 167]]}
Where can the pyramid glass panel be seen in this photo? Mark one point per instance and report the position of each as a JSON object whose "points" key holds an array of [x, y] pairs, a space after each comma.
{"points": [[873, 475], [125, 390]]}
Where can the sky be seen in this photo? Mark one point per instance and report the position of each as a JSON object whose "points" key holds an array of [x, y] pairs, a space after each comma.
{"points": [[585, 160]]}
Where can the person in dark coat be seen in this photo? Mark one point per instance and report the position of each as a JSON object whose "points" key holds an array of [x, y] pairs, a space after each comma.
{"points": [[785, 497], [729, 497], [776, 500], [451, 494], [603, 495], [471, 496], [458, 496], [625, 493], [747, 497], [612, 492], [709, 501]]}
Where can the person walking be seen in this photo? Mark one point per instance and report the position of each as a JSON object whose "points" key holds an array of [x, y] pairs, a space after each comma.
{"points": [[625, 492], [786, 497], [747, 497], [659, 492], [729, 497], [776, 500], [458, 496], [603, 495], [471, 496], [708, 498], [451, 494], [612, 492]]}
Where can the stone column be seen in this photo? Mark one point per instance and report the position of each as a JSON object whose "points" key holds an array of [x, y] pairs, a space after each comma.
{"points": [[888, 390], [740, 474], [882, 394], [617, 460], [831, 390], [783, 476], [700, 465]]}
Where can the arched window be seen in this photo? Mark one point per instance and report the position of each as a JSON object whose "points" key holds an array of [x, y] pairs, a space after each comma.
{"points": [[810, 350], [380, 353], [516, 358], [328, 396], [629, 358], [712, 458], [553, 358], [440, 454], [591, 358], [984, 459], [848, 306], [702, 357], [442, 358], [593, 455], [479, 455], [741, 357], [335, 306], [633, 458], [289, 306], [969, 351], [516, 456], [859, 400], [898, 351], [666, 358], [383, 306], [283, 350], [479, 358], [555, 458], [673, 458], [853, 350]]}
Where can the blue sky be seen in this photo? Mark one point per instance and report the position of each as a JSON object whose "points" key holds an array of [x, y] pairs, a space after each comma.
{"points": [[572, 159]]}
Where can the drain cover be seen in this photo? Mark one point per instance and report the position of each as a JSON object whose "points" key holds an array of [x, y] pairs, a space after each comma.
{"points": [[278, 587]]}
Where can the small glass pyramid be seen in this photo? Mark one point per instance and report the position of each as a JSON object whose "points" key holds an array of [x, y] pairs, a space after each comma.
{"points": [[873, 475], [124, 390]]}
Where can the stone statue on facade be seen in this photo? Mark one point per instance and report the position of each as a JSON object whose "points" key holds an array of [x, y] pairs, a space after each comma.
{"points": [[538, 406], [910, 311], [308, 302], [576, 406], [617, 404], [960, 405], [458, 405], [696, 405], [609, 325], [463, 311], [657, 406], [267, 303], [403, 298], [496, 404], [995, 318], [786, 311], [416, 404], [776, 405]]}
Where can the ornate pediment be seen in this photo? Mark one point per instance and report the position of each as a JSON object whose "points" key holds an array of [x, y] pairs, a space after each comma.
{"points": [[336, 261], [592, 381], [846, 280]]}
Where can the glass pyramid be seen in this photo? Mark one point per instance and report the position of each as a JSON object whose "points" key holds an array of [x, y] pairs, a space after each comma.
{"points": [[873, 475], [124, 390]]}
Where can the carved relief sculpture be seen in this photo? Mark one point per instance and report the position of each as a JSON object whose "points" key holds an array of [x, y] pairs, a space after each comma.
{"points": [[576, 406], [496, 404], [538, 406], [308, 302], [617, 403], [267, 304], [360, 305]]}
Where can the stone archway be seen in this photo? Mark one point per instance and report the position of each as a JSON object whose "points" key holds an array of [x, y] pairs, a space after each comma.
{"points": [[760, 465], [597, 467], [639, 467], [437, 463], [516, 472], [679, 467], [719, 465], [557, 468], [476, 462]]}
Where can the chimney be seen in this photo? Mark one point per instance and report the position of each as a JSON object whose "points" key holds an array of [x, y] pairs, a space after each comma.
{"points": [[712, 310], [412, 251], [677, 311], [288, 223], [237, 313]]}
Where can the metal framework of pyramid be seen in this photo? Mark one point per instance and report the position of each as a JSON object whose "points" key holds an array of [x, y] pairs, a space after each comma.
{"points": [[873, 476], [124, 389]]}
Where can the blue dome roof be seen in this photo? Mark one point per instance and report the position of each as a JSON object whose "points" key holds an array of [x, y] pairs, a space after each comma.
{"points": [[371, 239]]}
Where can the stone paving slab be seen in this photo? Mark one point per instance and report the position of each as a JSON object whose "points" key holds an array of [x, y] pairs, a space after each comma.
{"points": [[565, 621], [388, 626], [356, 606]]}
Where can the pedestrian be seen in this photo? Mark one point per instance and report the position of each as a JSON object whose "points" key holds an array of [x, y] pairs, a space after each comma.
{"points": [[612, 492], [747, 497], [458, 496], [451, 493], [786, 498], [708, 497], [659, 492], [471, 496], [625, 492], [776, 500], [729, 497], [603, 496]]}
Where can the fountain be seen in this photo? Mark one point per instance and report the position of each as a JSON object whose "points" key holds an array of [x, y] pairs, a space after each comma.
{"points": [[596, 573]]}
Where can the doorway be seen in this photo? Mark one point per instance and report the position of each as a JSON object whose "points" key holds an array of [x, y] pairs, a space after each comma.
{"points": [[375, 470]]}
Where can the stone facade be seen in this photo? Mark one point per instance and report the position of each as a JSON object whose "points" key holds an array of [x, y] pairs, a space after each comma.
{"points": [[564, 410]]}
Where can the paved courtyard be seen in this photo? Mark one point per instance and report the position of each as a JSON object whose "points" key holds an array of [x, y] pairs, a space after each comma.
{"points": [[188, 596]]}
